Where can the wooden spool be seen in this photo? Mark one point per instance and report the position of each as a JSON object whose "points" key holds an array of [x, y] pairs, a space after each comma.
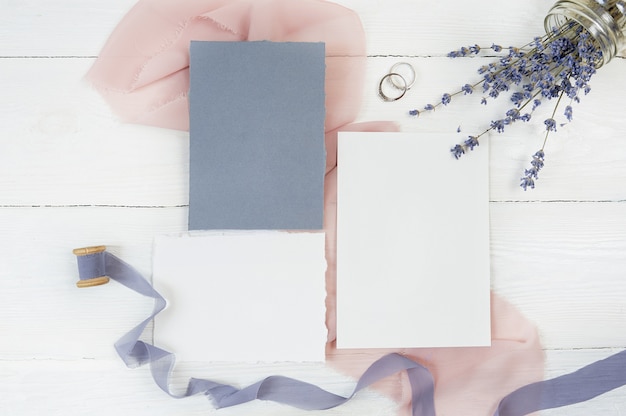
{"points": [[94, 281]]}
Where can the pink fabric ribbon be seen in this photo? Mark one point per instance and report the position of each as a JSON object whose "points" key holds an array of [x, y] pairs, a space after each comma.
{"points": [[143, 69], [142, 72]]}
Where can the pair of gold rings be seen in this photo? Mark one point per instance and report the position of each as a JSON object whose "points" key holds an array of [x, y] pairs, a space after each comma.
{"points": [[397, 82]]}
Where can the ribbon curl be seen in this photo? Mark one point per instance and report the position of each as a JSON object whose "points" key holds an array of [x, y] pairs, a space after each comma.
{"points": [[280, 389], [584, 384]]}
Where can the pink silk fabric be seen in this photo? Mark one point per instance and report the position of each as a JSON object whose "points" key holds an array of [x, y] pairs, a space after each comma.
{"points": [[143, 69], [143, 73]]}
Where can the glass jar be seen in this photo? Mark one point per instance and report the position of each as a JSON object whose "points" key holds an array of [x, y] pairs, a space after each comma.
{"points": [[605, 20]]}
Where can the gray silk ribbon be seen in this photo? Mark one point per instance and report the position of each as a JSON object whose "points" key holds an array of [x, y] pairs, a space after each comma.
{"points": [[581, 385]]}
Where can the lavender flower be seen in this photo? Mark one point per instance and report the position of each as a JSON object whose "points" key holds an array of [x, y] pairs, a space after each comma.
{"points": [[467, 89], [498, 125], [465, 51], [518, 98], [471, 142], [550, 124], [530, 175], [568, 113], [558, 65], [527, 182], [457, 151]]}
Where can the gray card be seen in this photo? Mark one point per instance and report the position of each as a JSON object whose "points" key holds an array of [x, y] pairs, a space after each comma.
{"points": [[257, 154]]}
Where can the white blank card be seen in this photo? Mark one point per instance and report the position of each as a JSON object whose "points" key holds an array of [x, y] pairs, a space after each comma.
{"points": [[241, 296], [412, 243]]}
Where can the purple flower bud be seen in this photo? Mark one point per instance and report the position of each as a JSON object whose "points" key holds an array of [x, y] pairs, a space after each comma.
{"points": [[568, 113], [457, 151], [467, 89], [471, 142], [550, 124]]}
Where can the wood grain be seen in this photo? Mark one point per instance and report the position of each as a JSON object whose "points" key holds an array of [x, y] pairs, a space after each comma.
{"points": [[71, 175]]}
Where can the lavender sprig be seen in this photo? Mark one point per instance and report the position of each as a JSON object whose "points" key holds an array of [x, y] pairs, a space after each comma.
{"points": [[530, 175], [538, 159], [556, 65]]}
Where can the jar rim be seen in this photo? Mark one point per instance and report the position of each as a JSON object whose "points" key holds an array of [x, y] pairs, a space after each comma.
{"points": [[595, 18]]}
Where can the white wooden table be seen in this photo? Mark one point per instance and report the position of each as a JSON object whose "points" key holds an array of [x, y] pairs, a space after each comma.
{"points": [[71, 175]]}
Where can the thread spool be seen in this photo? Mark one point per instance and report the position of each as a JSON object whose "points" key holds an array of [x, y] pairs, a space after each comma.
{"points": [[91, 266]]}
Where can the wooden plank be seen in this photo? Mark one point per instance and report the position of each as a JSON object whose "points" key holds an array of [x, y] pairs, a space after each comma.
{"points": [[72, 151], [560, 362], [63, 146], [58, 28], [560, 263], [426, 28], [563, 265], [99, 387], [45, 314], [401, 27]]}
